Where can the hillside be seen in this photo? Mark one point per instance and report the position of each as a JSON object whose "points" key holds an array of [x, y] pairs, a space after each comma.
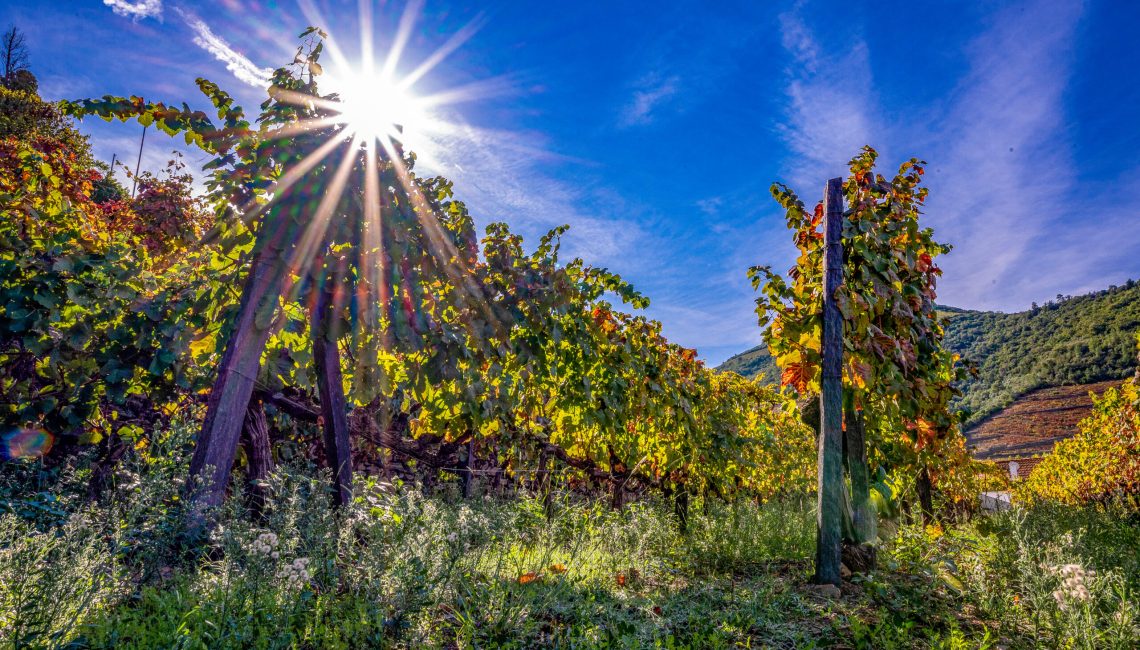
{"points": [[1079, 340], [1034, 422], [755, 362], [1076, 340]]}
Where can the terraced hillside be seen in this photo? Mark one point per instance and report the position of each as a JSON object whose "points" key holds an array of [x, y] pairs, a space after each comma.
{"points": [[1034, 422], [1067, 342]]}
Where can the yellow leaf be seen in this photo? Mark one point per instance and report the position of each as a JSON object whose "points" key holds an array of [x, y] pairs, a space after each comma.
{"points": [[202, 345]]}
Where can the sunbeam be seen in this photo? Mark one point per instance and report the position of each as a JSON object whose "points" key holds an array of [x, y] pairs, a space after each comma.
{"points": [[378, 115]]}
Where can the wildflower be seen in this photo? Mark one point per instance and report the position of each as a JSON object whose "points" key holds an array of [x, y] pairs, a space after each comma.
{"points": [[1073, 587], [265, 544], [1122, 617], [296, 573]]}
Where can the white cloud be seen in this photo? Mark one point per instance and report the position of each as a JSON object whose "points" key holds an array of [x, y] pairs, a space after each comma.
{"points": [[711, 205], [653, 94], [719, 322], [830, 104], [241, 67], [1002, 172], [798, 40], [135, 10], [501, 175]]}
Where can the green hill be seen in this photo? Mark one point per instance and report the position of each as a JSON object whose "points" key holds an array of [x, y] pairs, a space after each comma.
{"points": [[1074, 340], [753, 363]]}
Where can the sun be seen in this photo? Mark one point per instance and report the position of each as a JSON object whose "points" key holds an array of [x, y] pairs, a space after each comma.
{"points": [[376, 101], [377, 107]]}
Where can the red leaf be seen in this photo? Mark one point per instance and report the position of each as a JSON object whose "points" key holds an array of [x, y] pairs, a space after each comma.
{"points": [[924, 263], [817, 216], [796, 375]]}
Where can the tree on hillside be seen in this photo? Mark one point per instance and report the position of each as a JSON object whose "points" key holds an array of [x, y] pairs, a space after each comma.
{"points": [[14, 55]]}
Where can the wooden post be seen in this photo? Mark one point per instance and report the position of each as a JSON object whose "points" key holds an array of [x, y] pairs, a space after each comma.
{"points": [[925, 500], [681, 509], [468, 462], [138, 164], [217, 442], [258, 453], [330, 387], [829, 465], [617, 502], [862, 518], [544, 482]]}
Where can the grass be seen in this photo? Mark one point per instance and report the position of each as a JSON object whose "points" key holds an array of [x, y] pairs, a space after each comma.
{"points": [[401, 569]]}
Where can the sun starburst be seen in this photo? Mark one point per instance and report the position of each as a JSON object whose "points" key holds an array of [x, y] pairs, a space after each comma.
{"points": [[373, 115]]}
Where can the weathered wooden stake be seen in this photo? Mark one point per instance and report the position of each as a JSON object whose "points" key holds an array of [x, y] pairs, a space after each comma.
{"points": [[862, 518], [258, 453], [544, 484], [925, 501], [468, 462], [330, 387], [681, 509], [225, 409], [830, 462]]}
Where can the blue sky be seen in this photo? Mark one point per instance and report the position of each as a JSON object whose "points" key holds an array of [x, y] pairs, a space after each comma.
{"points": [[655, 129]]}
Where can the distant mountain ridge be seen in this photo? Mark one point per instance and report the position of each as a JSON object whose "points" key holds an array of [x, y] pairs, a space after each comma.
{"points": [[1072, 340]]}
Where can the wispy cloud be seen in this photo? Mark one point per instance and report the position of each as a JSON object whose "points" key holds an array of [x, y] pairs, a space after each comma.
{"points": [[830, 105], [1003, 172], [240, 66], [653, 94], [506, 175], [830, 112], [711, 205], [136, 10]]}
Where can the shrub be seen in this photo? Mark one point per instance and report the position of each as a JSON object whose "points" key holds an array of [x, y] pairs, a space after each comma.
{"points": [[1101, 464]]}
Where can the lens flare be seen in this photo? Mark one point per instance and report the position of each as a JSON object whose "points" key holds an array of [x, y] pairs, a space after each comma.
{"points": [[374, 114], [25, 443], [373, 107]]}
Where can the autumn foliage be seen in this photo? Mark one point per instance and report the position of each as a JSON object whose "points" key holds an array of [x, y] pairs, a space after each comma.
{"points": [[89, 345], [896, 370], [1101, 463], [121, 308]]}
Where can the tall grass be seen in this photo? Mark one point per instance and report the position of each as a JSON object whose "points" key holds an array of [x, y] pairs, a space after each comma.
{"points": [[398, 568]]}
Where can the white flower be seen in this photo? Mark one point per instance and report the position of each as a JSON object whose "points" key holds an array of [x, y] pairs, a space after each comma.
{"points": [[296, 572], [1073, 587], [265, 544]]}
